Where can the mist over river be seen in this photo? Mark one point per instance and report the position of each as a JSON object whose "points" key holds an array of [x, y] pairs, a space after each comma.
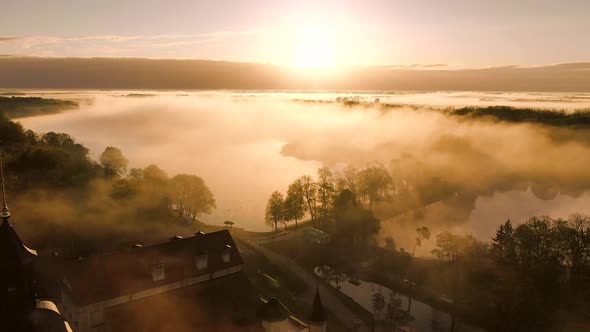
{"points": [[247, 144]]}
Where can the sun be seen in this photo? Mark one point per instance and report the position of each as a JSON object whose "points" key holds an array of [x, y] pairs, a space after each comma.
{"points": [[314, 49]]}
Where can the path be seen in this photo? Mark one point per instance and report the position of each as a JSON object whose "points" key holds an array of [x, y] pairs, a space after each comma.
{"points": [[329, 298]]}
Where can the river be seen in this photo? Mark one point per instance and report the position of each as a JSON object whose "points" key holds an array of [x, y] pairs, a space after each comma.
{"points": [[426, 318]]}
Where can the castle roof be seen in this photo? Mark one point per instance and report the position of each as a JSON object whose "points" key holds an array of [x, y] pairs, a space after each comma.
{"points": [[108, 276], [317, 314], [12, 249]]}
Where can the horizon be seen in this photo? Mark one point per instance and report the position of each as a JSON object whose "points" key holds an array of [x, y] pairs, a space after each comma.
{"points": [[190, 74], [412, 66]]}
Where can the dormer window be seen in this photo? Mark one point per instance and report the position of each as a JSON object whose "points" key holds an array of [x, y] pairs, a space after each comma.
{"points": [[201, 260], [158, 272], [225, 254]]}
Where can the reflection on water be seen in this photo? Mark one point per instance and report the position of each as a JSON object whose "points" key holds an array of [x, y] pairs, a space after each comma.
{"points": [[426, 318]]}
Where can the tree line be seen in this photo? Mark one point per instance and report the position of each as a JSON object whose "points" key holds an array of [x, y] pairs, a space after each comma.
{"points": [[538, 268], [20, 107], [540, 245], [187, 194]]}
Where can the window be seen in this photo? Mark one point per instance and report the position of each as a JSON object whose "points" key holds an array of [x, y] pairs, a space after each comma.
{"points": [[225, 255], [201, 260], [158, 272]]}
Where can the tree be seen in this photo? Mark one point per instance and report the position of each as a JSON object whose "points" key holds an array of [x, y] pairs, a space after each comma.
{"points": [[450, 246], [154, 175], [394, 314], [375, 184], [309, 188], [190, 196], [503, 248], [124, 189], [113, 161], [347, 179], [353, 225], [423, 234], [275, 210], [378, 302], [447, 246], [228, 223], [295, 202], [537, 249], [390, 243], [330, 274], [573, 238], [10, 132], [136, 174], [325, 193]]}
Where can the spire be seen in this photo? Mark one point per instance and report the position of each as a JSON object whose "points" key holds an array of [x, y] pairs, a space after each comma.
{"points": [[317, 314], [5, 214]]}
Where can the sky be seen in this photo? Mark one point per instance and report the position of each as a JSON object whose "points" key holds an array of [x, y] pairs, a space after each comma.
{"points": [[456, 33]]}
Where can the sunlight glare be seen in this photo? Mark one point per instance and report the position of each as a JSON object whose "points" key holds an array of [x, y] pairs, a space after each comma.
{"points": [[314, 49]]}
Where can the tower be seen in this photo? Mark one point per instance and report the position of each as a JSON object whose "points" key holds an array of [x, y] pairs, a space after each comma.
{"points": [[17, 283], [20, 310], [317, 317]]}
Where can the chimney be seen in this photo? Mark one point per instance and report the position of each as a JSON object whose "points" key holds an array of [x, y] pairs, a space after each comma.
{"points": [[225, 254], [201, 260], [158, 272]]}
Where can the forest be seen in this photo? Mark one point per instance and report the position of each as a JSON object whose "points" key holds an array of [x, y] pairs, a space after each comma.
{"points": [[63, 201]]}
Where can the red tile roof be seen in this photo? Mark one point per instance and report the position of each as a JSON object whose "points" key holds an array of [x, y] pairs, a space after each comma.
{"points": [[104, 277]]}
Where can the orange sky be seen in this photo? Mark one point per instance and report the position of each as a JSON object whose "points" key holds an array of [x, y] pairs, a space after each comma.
{"points": [[459, 33]]}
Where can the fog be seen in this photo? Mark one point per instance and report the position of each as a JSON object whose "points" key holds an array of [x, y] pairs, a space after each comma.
{"points": [[246, 145]]}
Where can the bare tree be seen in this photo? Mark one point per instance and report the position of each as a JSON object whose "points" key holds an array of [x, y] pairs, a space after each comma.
{"points": [[275, 209], [423, 234]]}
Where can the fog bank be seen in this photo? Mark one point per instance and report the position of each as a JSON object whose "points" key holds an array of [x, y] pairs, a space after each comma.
{"points": [[246, 145]]}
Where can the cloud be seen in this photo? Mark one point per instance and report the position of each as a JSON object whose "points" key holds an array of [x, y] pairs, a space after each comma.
{"points": [[219, 34], [112, 44], [105, 38], [416, 65], [412, 66], [572, 66], [435, 65]]}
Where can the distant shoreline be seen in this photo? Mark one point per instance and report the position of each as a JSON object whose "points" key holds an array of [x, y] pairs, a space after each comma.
{"points": [[22, 107]]}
